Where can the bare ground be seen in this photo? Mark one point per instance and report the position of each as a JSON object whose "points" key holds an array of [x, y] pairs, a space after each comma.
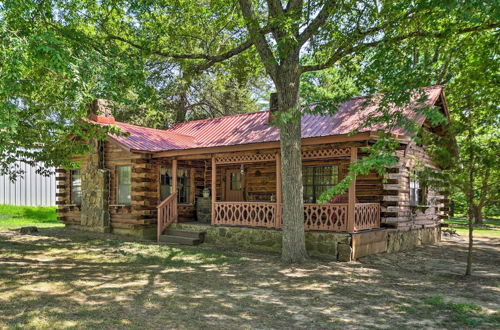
{"points": [[66, 279]]}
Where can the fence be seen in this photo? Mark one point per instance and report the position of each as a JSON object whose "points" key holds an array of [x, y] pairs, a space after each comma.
{"points": [[30, 189]]}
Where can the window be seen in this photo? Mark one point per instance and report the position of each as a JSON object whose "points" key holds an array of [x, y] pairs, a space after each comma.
{"points": [[183, 184], [124, 184], [317, 179], [418, 193], [76, 187], [235, 181]]}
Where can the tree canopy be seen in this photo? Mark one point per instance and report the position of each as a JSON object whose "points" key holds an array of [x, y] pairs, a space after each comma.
{"points": [[59, 54]]}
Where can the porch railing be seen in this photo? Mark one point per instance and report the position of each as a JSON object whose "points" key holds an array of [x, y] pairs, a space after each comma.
{"points": [[167, 213], [253, 214], [329, 217], [366, 216], [323, 217]]}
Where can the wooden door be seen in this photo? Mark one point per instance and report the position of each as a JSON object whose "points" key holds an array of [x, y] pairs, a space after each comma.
{"points": [[234, 186]]}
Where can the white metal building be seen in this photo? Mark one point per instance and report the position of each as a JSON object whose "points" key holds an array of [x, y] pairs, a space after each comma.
{"points": [[30, 189]]}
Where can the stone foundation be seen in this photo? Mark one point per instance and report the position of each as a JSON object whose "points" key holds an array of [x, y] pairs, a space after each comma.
{"points": [[407, 240], [204, 209], [318, 244]]}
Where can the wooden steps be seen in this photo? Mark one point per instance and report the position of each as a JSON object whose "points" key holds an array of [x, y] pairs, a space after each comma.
{"points": [[183, 237]]}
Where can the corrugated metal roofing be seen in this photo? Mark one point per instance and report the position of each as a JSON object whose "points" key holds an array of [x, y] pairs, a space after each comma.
{"points": [[253, 128], [150, 139]]}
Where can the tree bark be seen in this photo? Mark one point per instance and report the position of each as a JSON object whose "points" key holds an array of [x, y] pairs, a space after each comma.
{"points": [[180, 109], [468, 269], [287, 86], [470, 200], [478, 214], [452, 209]]}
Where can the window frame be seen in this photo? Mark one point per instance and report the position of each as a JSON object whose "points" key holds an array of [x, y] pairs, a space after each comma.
{"points": [[72, 187], [118, 185], [417, 192], [314, 177]]}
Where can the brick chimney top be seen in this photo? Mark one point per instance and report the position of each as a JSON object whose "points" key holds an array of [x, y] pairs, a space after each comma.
{"points": [[100, 112]]}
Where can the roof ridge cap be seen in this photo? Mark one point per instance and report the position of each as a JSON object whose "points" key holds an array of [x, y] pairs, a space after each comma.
{"points": [[209, 119]]}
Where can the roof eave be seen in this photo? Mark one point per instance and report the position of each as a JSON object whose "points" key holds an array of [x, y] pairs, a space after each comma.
{"points": [[364, 136]]}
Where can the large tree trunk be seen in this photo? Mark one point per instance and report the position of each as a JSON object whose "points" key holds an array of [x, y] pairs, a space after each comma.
{"points": [[294, 248], [180, 108], [478, 214]]}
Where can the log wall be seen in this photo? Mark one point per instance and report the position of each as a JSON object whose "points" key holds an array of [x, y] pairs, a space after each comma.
{"points": [[68, 213], [141, 212], [397, 212], [259, 185]]}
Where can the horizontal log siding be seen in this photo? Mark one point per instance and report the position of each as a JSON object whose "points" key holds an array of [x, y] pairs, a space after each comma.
{"points": [[144, 196], [396, 210], [68, 213]]}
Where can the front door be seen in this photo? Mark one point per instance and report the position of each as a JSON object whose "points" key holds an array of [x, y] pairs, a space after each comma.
{"points": [[234, 186]]}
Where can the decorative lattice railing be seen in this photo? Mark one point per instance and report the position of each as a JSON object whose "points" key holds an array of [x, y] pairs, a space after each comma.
{"points": [[323, 217], [329, 217], [366, 216], [253, 214]]}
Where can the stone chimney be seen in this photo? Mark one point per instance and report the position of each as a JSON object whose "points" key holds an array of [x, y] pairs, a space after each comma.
{"points": [[100, 112], [273, 107]]}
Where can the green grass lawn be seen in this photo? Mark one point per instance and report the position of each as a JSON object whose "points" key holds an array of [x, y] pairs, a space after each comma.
{"points": [[491, 227], [13, 217]]}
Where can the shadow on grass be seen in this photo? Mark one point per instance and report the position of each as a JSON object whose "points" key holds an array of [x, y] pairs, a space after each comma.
{"points": [[61, 278]]}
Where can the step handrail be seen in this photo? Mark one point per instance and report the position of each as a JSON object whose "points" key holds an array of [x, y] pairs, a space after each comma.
{"points": [[167, 213]]}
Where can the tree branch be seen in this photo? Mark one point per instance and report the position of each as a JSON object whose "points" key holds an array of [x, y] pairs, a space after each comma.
{"points": [[259, 39], [275, 7], [348, 50], [316, 23], [193, 56]]}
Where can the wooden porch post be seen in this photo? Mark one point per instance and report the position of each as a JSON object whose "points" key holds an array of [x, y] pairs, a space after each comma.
{"points": [[278, 190], [351, 207], [214, 187], [174, 176], [174, 186]]}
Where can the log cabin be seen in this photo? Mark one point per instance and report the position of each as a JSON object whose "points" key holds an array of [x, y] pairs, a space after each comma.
{"points": [[218, 180]]}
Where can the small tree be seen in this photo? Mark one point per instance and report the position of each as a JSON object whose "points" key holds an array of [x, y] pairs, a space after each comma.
{"points": [[469, 68]]}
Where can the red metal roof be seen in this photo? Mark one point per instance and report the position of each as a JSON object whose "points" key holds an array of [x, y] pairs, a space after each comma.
{"points": [[250, 128], [150, 139]]}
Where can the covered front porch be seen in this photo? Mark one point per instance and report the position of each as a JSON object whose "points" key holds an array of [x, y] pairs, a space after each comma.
{"points": [[245, 191]]}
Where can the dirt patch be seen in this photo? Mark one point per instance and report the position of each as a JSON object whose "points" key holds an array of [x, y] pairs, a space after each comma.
{"points": [[59, 279]]}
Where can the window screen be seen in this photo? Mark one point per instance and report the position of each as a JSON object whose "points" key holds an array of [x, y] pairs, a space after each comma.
{"points": [[124, 184], [76, 187], [317, 179]]}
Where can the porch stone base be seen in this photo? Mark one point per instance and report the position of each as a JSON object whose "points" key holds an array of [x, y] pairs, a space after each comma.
{"points": [[407, 240], [318, 244]]}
